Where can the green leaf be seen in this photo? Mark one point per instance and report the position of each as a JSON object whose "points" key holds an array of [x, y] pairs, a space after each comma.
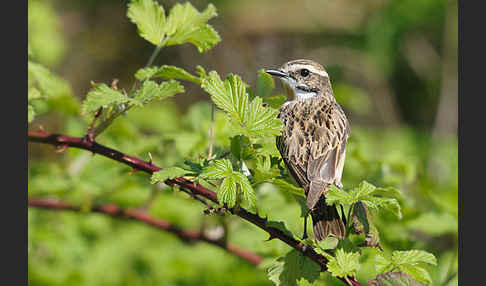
{"points": [[218, 170], [265, 84], [146, 73], [252, 119], [30, 113], [221, 93], [149, 18], [274, 271], [382, 264], [186, 25], [416, 272], [102, 96], [293, 268], [329, 243], [262, 121], [395, 279], [413, 257], [248, 193], [344, 264], [150, 90], [407, 262], [365, 193], [227, 192], [173, 72], [167, 173]]}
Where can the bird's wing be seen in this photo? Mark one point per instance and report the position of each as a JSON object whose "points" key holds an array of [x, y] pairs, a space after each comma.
{"points": [[327, 148], [292, 145], [296, 171]]}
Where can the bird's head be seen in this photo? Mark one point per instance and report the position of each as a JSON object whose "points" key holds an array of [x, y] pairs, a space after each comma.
{"points": [[303, 79]]}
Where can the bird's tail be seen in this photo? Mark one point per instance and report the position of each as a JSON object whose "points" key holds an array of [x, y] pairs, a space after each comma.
{"points": [[326, 221]]}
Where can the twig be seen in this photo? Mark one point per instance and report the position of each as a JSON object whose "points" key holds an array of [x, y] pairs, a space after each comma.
{"points": [[211, 134], [197, 189], [187, 236]]}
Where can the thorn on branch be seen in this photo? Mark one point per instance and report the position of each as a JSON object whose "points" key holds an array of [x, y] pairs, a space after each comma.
{"points": [[219, 210], [150, 159], [132, 171]]}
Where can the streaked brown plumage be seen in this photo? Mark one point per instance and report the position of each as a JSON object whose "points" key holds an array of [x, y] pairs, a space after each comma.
{"points": [[313, 141]]}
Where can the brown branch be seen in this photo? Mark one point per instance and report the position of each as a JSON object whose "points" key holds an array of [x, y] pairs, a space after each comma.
{"points": [[184, 184], [187, 236]]}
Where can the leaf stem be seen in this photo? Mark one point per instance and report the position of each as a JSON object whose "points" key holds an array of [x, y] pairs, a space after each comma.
{"points": [[155, 53], [211, 133]]}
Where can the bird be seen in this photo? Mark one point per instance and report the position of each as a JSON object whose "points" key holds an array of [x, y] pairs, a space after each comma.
{"points": [[313, 140]]}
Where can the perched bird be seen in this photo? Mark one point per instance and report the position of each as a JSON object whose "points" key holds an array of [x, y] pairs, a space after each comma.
{"points": [[313, 141]]}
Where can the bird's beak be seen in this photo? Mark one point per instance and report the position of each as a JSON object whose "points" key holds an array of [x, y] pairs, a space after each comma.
{"points": [[276, 73]]}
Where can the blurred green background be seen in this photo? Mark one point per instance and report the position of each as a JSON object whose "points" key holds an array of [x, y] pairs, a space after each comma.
{"points": [[393, 67]]}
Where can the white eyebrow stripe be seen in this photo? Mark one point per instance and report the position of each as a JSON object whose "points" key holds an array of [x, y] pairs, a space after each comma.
{"points": [[312, 69]]}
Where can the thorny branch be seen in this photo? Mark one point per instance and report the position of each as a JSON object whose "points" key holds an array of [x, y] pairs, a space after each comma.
{"points": [[187, 236], [185, 185]]}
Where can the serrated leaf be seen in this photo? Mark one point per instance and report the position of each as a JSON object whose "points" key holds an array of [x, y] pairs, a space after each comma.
{"points": [[218, 170], [220, 93], [251, 119], [173, 72], [149, 18], [150, 90], [413, 257], [146, 73], [365, 193], [262, 121], [30, 113], [167, 173], [338, 196], [227, 192], [382, 264], [408, 262], [265, 84], [102, 96], [248, 193], [416, 272], [344, 264], [395, 279], [186, 25]]}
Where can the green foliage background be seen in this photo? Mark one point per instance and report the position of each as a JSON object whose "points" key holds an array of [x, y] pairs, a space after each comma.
{"points": [[392, 93]]}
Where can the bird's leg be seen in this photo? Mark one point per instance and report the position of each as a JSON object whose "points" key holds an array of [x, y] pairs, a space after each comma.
{"points": [[305, 227]]}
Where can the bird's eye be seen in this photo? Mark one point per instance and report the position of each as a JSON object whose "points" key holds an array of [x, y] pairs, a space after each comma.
{"points": [[304, 72]]}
